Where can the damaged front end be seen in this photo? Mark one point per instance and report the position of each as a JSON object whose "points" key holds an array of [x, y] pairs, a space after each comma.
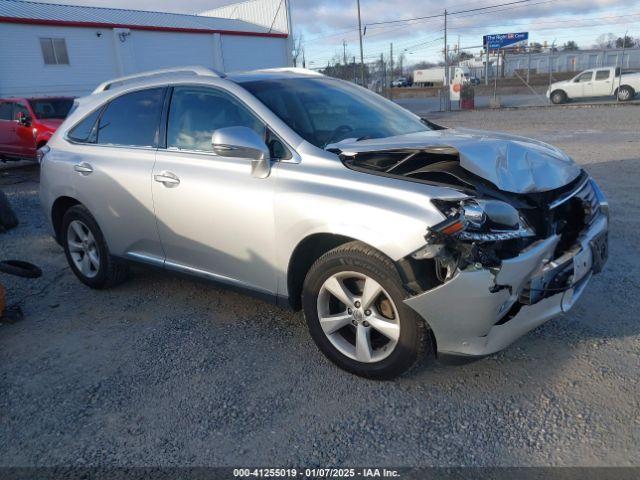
{"points": [[518, 250], [502, 271]]}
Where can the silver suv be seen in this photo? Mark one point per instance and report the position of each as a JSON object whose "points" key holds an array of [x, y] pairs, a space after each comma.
{"points": [[397, 237]]}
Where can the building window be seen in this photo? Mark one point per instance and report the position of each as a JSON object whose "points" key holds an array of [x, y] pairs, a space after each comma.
{"points": [[54, 51]]}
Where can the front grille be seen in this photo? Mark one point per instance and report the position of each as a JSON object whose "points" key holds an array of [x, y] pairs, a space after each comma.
{"points": [[573, 215], [585, 194], [590, 202]]}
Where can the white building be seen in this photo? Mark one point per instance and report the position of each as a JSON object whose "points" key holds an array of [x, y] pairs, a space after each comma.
{"points": [[48, 49]]}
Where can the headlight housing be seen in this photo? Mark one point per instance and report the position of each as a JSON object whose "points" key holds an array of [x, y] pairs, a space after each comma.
{"points": [[482, 220]]}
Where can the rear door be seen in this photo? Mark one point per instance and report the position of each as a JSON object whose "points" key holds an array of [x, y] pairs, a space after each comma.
{"points": [[7, 128], [602, 84], [111, 168]]}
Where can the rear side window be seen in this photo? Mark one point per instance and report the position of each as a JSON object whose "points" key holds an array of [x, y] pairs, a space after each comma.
{"points": [[602, 74], [85, 131], [5, 111], [132, 119], [197, 112]]}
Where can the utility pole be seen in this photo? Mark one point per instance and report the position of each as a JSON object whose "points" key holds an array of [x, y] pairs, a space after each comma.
{"points": [[391, 64], [551, 69], [361, 52], [624, 46], [344, 52], [486, 62], [529, 63], [446, 65], [383, 71]]}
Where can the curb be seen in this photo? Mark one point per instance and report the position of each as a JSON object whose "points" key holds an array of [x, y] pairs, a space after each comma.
{"points": [[544, 107]]}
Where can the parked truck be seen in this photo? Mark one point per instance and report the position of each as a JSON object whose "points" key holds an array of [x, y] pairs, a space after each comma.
{"points": [[596, 82], [430, 77]]}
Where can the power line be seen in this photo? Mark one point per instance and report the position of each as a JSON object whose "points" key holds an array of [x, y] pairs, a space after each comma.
{"points": [[404, 20], [537, 23]]}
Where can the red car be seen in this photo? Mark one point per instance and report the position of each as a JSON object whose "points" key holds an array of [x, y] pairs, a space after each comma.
{"points": [[27, 124]]}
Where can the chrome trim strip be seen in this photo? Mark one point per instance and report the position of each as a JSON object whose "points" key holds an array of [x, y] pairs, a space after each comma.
{"points": [[213, 276], [570, 195], [146, 258]]}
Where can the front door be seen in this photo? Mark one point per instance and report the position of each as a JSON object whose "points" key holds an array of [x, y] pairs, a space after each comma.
{"points": [[24, 139], [7, 128], [580, 86], [214, 218]]}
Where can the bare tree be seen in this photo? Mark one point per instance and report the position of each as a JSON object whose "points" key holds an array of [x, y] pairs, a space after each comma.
{"points": [[298, 49], [606, 40]]}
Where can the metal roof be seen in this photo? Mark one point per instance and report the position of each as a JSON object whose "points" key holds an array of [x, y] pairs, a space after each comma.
{"points": [[20, 11]]}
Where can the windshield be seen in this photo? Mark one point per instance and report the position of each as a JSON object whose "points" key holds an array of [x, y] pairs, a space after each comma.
{"points": [[325, 110], [47, 108]]}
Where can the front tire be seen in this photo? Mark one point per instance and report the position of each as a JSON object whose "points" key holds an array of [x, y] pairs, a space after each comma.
{"points": [[353, 302], [558, 97], [87, 251]]}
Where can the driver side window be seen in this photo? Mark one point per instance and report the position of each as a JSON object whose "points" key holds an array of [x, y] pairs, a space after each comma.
{"points": [[18, 109], [585, 77], [196, 112]]}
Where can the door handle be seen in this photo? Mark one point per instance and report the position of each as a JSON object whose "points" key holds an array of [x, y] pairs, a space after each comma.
{"points": [[168, 179], [84, 168]]}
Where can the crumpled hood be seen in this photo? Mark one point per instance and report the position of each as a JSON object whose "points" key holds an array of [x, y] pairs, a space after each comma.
{"points": [[512, 163]]}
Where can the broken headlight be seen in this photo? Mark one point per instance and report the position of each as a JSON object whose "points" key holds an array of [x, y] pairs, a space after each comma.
{"points": [[482, 220]]}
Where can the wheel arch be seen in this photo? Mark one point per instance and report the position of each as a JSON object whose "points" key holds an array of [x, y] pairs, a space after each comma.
{"points": [[560, 90], [308, 250], [42, 139], [58, 209]]}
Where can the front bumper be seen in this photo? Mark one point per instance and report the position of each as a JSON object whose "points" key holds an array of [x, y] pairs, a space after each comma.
{"points": [[478, 311]]}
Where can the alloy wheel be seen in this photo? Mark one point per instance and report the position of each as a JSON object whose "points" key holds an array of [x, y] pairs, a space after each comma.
{"points": [[624, 94], [358, 317], [83, 249]]}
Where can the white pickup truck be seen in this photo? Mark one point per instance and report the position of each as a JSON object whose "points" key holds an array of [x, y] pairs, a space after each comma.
{"points": [[596, 82]]}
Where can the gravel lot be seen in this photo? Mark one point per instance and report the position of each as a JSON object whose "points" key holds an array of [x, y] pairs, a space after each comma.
{"points": [[165, 370]]}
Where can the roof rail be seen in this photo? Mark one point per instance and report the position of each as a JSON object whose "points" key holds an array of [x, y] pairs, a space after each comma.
{"points": [[301, 71], [196, 70]]}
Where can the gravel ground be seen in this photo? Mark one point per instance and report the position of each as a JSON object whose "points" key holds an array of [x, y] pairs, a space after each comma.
{"points": [[165, 370]]}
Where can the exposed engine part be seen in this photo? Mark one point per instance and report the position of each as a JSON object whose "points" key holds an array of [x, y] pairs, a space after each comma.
{"points": [[446, 267]]}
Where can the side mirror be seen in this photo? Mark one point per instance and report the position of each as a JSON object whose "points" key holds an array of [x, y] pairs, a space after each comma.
{"points": [[242, 142], [24, 120]]}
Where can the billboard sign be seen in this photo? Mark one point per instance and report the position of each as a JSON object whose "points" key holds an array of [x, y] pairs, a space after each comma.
{"points": [[503, 40]]}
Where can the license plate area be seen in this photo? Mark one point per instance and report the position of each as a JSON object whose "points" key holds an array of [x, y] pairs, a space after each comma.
{"points": [[600, 251], [559, 278]]}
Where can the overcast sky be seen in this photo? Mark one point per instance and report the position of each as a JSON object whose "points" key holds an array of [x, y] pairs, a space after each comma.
{"points": [[324, 24]]}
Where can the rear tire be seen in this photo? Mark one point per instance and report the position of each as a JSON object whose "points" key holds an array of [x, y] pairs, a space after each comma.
{"points": [[558, 97], [8, 219], [625, 93], [396, 336], [87, 251]]}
